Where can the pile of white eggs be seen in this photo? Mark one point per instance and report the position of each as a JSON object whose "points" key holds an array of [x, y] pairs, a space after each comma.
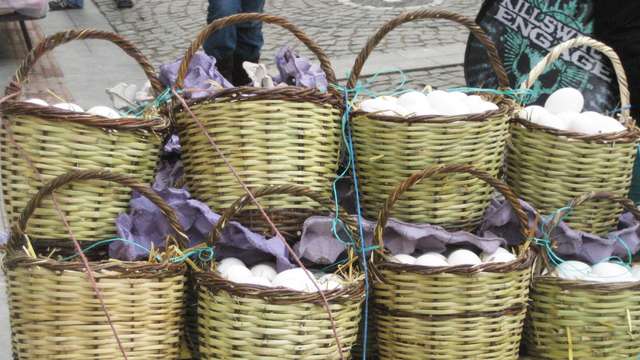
{"points": [[563, 111], [264, 274], [438, 102], [606, 272], [103, 111], [455, 258]]}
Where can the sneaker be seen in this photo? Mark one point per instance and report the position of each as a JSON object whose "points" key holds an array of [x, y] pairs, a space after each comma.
{"points": [[124, 4]]}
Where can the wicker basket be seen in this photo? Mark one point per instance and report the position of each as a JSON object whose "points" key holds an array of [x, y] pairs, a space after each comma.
{"points": [[241, 321], [391, 148], [39, 143], [278, 136], [55, 313], [456, 312], [575, 319], [548, 167]]}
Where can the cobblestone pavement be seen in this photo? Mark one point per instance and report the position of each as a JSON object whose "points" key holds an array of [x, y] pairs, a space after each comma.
{"points": [[164, 28]]}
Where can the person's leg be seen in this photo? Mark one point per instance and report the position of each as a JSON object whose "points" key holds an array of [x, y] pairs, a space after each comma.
{"points": [[222, 43], [250, 41]]}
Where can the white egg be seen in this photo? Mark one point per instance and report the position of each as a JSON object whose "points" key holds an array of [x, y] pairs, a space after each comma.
{"points": [[572, 270], [384, 105], [69, 107], [635, 272], [265, 271], [403, 259], [463, 257], [228, 262], [609, 125], [484, 106], [566, 119], [533, 113], [563, 100], [412, 99], [592, 123], [238, 274], [610, 272], [256, 280], [295, 279], [421, 110], [330, 282], [432, 259], [499, 256], [37, 102], [459, 96], [104, 111]]}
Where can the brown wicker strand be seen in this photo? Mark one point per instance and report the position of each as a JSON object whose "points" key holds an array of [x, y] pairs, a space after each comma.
{"points": [[22, 74], [509, 195], [476, 30], [559, 49], [18, 237], [216, 25]]}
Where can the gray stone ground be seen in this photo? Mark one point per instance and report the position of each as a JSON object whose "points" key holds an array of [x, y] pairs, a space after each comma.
{"points": [[164, 28]]}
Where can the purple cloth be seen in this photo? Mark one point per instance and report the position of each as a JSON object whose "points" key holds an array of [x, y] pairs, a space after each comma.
{"points": [[202, 70], [499, 227], [297, 70], [146, 225], [571, 244], [172, 146]]}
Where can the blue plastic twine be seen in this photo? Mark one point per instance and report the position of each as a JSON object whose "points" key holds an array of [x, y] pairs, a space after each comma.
{"points": [[205, 254]]}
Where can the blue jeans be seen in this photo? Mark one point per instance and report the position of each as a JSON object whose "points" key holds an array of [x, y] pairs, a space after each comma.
{"points": [[242, 40]]}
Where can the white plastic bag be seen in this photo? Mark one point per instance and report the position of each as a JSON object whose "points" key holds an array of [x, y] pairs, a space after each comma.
{"points": [[30, 8]]}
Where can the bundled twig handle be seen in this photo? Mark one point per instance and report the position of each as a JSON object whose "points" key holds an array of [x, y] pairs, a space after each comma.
{"points": [[476, 30], [19, 229], [22, 74], [626, 203], [503, 188], [293, 190], [579, 41], [218, 24]]}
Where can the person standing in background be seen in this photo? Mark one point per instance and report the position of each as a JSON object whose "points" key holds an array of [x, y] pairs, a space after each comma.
{"points": [[617, 24], [235, 44]]}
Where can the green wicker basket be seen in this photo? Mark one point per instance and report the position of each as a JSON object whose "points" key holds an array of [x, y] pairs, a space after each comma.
{"points": [[391, 148], [287, 135], [455, 312], [548, 167], [242, 321], [54, 310], [39, 143], [576, 319]]}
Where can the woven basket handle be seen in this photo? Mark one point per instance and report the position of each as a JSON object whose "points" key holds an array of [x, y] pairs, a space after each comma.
{"points": [[22, 74], [294, 190], [476, 30], [412, 180], [85, 175], [626, 203], [218, 24], [559, 49]]}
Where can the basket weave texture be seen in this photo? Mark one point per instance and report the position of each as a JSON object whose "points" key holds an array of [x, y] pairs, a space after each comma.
{"points": [[242, 321], [278, 136], [54, 310], [39, 143], [575, 319], [548, 167], [391, 148], [456, 312]]}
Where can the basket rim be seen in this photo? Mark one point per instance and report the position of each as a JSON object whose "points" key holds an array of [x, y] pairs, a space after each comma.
{"points": [[629, 135], [523, 262], [124, 269], [505, 107], [53, 114], [585, 285], [290, 93], [212, 281]]}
